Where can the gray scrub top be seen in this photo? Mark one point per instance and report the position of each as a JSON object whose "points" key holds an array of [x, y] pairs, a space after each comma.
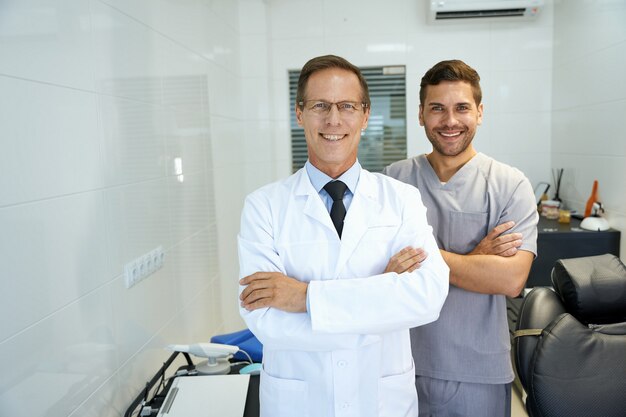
{"points": [[470, 340]]}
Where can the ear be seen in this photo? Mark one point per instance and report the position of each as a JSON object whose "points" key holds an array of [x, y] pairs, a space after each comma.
{"points": [[366, 118], [420, 115], [479, 119], [299, 115]]}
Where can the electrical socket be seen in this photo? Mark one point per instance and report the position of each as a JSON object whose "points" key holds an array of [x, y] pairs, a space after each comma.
{"points": [[142, 267]]}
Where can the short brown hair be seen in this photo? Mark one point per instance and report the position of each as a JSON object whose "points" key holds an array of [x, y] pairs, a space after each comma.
{"points": [[326, 62], [452, 70]]}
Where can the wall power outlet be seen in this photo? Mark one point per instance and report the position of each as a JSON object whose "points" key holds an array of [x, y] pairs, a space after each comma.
{"points": [[140, 268]]}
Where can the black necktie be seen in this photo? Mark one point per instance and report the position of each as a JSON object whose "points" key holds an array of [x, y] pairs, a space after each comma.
{"points": [[336, 189]]}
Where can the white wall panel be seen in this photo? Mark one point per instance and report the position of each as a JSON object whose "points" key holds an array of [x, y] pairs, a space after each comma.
{"points": [[137, 221], [190, 261], [582, 170], [223, 43], [429, 44], [53, 254], [281, 140], [367, 49], [289, 19], [254, 64], [519, 91], [524, 141], [64, 358], [133, 135], [228, 11], [229, 193], [252, 21], [67, 161], [256, 103], [104, 402], [141, 311], [521, 48], [364, 17], [100, 99], [189, 206], [288, 53], [226, 96], [148, 12], [185, 120], [42, 40], [587, 130], [589, 97], [585, 27], [187, 22], [126, 55], [583, 80]]}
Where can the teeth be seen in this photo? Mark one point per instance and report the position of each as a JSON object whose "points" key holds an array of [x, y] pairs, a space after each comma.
{"points": [[449, 135], [332, 137]]}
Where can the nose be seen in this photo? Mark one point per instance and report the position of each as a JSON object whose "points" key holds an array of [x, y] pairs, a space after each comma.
{"points": [[333, 117], [449, 118]]}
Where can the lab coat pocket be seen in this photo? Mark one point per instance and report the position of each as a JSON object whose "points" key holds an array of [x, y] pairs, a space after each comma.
{"points": [[283, 397], [466, 231], [397, 395], [374, 248]]}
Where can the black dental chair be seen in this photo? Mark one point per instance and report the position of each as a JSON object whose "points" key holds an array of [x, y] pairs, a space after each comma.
{"points": [[569, 347]]}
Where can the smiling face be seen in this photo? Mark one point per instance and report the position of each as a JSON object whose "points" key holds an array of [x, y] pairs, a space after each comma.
{"points": [[332, 139], [450, 117]]}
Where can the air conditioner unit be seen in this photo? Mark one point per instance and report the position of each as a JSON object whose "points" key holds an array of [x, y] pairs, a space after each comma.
{"points": [[447, 10]]}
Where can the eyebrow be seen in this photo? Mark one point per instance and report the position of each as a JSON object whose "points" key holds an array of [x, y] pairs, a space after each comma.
{"points": [[463, 103], [329, 101]]}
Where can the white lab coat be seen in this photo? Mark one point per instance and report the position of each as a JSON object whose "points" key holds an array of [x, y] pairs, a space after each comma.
{"points": [[350, 355]]}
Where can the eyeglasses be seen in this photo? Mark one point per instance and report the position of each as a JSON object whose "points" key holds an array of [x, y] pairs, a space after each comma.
{"points": [[322, 108]]}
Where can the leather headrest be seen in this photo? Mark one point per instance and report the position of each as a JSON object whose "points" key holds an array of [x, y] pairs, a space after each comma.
{"points": [[593, 288]]}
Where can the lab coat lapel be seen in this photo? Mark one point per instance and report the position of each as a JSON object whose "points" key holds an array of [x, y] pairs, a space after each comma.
{"points": [[364, 210], [313, 204]]}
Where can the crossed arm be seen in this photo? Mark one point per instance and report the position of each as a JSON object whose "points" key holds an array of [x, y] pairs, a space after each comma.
{"points": [[494, 266], [273, 289]]}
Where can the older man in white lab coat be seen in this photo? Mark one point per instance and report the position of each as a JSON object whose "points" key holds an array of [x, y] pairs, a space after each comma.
{"points": [[315, 291]]}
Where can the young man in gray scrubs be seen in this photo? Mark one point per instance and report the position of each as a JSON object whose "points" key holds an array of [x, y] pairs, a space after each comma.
{"points": [[485, 218]]}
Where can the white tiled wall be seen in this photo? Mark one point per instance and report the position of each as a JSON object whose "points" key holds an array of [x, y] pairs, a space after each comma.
{"points": [[98, 99], [589, 100]]}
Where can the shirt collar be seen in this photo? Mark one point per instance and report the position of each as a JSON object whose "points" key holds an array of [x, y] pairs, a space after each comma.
{"points": [[319, 179]]}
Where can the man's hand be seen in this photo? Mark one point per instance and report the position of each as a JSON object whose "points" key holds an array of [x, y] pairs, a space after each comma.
{"points": [[407, 260], [497, 243], [273, 289]]}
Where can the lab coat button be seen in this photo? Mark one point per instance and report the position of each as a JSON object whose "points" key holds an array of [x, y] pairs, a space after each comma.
{"points": [[342, 364]]}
